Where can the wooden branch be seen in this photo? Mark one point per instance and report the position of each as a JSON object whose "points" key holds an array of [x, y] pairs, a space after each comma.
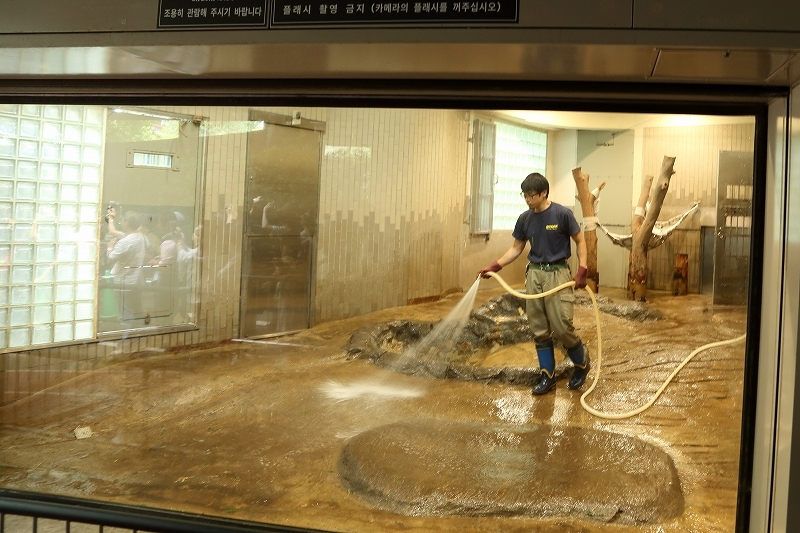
{"points": [[637, 274], [659, 193], [599, 188], [587, 199], [641, 206]]}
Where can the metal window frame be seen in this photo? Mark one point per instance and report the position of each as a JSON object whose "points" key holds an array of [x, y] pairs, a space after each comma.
{"points": [[454, 94], [484, 143]]}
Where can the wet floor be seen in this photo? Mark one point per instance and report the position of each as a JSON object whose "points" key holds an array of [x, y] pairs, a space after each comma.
{"points": [[290, 431]]}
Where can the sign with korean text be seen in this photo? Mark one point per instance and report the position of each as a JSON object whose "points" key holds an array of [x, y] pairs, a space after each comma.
{"points": [[322, 12], [188, 13]]}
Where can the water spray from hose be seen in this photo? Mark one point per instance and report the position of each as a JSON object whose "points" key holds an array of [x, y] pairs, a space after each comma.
{"points": [[587, 407]]}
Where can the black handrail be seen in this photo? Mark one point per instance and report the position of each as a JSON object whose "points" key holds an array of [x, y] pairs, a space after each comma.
{"points": [[136, 518]]}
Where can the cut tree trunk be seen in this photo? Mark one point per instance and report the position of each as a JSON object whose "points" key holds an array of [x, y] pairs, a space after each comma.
{"points": [[636, 223], [641, 206], [637, 275], [587, 200]]}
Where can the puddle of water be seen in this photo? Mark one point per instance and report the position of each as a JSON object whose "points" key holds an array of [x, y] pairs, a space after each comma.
{"points": [[372, 388], [514, 406]]}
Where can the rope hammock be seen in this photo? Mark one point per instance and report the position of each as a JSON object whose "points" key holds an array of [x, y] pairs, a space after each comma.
{"points": [[661, 230]]}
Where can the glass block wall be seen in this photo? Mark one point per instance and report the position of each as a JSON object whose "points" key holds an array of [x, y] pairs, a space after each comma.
{"points": [[50, 168], [519, 151]]}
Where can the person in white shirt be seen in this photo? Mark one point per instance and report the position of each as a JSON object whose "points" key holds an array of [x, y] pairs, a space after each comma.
{"points": [[127, 255]]}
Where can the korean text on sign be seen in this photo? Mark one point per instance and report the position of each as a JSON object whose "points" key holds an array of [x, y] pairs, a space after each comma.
{"points": [[390, 8], [246, 11], [476, 7], [430, 7]]}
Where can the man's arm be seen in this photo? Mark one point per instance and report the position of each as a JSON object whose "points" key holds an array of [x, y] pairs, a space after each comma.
{"points": [[510, 255], [112, 229], [580, 249], [580, 245]]}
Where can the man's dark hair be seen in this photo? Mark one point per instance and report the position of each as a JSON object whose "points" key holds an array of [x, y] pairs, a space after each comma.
{"points": [[535, 183]]}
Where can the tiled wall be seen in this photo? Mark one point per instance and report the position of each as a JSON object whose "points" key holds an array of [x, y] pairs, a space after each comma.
{"points": [[696, 150], [391, 213]]}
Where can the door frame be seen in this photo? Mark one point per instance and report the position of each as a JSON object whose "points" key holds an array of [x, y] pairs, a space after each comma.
{"points": [[295, 120]]}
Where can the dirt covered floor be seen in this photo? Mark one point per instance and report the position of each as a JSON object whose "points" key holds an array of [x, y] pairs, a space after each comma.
{"points": [[289, 430]]}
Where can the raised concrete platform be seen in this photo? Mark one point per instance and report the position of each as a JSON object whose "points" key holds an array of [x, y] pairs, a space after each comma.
{"points": [[441, 467]]}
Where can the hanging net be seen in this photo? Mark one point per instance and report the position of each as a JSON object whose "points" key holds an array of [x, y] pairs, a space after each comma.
{"points": [[661, 230]]}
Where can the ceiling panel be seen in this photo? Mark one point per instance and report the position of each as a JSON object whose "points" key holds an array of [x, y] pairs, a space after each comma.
{"points": [[333, 60], [721, 65], [532, 62]]}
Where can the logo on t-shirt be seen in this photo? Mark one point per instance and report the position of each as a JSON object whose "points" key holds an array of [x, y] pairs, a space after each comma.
{"points": [[551, 227]]}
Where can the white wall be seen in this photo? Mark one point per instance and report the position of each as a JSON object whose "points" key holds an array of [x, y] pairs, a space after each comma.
{"points": [[562, 157], [611, 160]]}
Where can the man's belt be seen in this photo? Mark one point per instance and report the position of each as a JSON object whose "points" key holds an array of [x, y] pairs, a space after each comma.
{"points": [[549, 267]]}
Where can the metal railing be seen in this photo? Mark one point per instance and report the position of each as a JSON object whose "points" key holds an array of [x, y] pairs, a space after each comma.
{"points": [[26, 512]]}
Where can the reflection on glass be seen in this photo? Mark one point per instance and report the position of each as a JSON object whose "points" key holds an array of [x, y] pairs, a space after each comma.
{"points": [[129, 232], [148, 253], [44, 273], [283, 170]]}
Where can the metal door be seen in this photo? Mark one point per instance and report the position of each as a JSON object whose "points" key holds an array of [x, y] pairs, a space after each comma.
{"points": [[707, 239], [280, 220], [732, 250]]}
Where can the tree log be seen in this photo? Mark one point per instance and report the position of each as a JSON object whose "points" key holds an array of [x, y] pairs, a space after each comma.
{"points": [[641, 206], [637, 274], [587, 200], [636, 222]]}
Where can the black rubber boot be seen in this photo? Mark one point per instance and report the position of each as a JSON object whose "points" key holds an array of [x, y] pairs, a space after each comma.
{"points": [[546, 383], [580, 373]]}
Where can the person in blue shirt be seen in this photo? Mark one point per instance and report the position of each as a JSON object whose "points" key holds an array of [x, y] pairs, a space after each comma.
{"points": [[549, 227]]}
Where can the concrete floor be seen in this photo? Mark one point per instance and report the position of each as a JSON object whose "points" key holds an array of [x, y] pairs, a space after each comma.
{"points": [[252, 431]]}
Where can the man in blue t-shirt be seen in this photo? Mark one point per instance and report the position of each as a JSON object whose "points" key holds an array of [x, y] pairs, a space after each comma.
{"points": [[548, 227]]}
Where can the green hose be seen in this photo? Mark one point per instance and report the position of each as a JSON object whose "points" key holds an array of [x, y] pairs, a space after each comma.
{"points": [[591, 410]]}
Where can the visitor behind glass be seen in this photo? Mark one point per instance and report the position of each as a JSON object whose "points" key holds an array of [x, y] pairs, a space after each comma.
{"points": [[127, 255]]}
